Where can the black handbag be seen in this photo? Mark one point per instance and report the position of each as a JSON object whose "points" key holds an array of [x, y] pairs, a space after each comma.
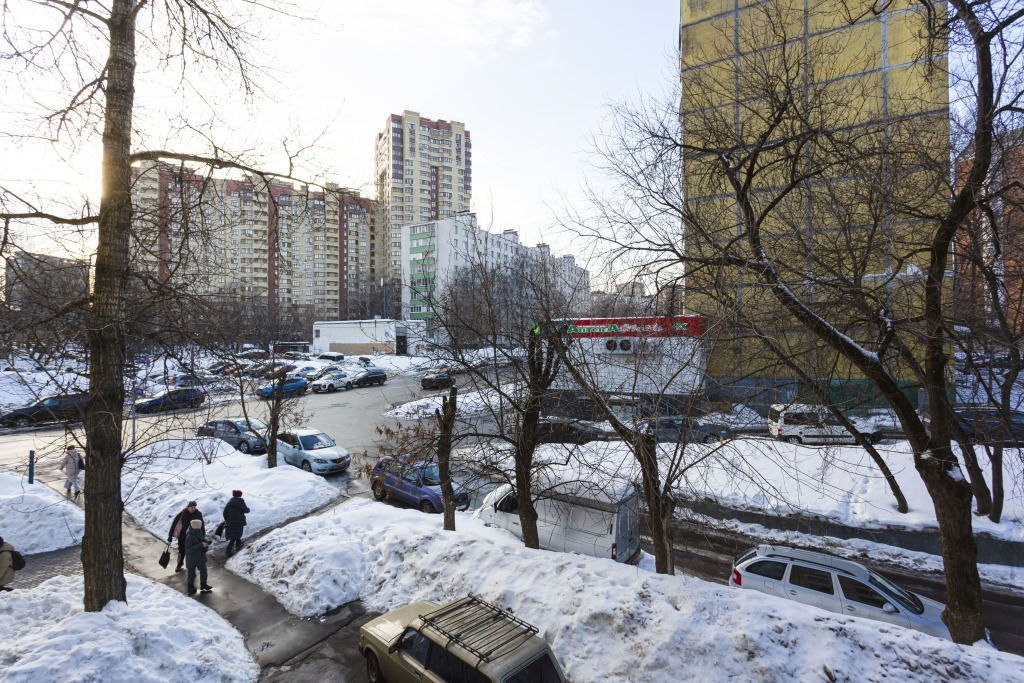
{"points": [[165, 557], [81, 463], [220, 529]]}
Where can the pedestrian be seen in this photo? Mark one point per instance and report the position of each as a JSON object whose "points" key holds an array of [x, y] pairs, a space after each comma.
{"points": [[234, 521], [180, 527], [6, 564], [72, 467], [196, 546]]}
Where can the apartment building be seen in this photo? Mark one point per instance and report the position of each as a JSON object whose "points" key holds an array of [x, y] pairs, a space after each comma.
{"points": [[364, 267], [424, 172], [434, 252], [245, 239]]}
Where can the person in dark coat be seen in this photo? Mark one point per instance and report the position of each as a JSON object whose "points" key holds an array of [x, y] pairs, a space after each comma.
{"points": [[234, 521], [180, 527], [196, 546]]}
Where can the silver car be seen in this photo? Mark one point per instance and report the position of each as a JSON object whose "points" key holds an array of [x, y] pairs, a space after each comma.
{"points": [[313, 451], [836, 585], [241, 433]]}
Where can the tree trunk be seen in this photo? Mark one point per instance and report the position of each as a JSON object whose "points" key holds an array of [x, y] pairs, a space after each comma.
{"points": [[996, 458], [952, 500], [982, 495], [446, 428], [102, 554], [901, 500], [659, 512]]}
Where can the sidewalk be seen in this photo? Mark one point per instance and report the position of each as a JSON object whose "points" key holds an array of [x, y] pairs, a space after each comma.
{"points": [[271, 633]]}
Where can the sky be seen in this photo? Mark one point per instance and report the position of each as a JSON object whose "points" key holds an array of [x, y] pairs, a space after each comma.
{"points": [[531, 79]]}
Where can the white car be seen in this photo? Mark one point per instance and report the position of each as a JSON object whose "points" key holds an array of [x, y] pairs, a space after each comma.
{"points": [[313, 451], [330, 382], [837, 585]]}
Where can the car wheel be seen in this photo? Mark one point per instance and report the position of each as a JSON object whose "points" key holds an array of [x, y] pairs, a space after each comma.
{"points": [[330, 388], [243, 446], [348, 386], [22, 422], [379, 492], [875, 438], [712, 438], [791, 439], [373, 668], [425, 506], [306, 466]]}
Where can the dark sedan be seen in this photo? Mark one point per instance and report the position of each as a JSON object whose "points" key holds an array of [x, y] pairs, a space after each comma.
{"points": [[686, 430], [366, 377], [563, 430], [60, 408], [171, 399], [437, 380]]}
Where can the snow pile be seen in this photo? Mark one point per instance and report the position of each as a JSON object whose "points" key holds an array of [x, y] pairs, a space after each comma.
{"points": [[604, 621], [160, 479], [470, 404], [159, 635], [35, 519], [398, 365]]}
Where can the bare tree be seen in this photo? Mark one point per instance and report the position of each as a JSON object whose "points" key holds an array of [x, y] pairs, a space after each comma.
{"points": [[781, 182]]}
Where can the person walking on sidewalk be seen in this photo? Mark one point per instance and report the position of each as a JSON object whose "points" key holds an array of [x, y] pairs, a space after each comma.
{"points": [[6, 564], [234, 521], [72, 467], [196, 546], [180, 527]]}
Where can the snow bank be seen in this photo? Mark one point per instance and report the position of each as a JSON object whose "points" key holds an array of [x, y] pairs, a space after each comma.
{"points": [[159, 635], [470, 404], [160, 479], [35, 519], [605, 621], [398, 365]]}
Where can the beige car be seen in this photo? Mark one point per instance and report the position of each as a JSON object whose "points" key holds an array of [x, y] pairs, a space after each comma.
{"points": [[466, 641]]}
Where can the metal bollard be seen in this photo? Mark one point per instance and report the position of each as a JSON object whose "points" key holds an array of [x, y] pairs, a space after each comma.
{"points": [[31, 467]]}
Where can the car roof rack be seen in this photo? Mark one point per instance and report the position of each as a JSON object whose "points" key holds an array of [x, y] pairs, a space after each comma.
{"points": [[815, 557], [479, 627]]}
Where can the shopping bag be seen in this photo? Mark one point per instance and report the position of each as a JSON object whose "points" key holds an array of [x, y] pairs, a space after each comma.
{"points": [[165, 557]]}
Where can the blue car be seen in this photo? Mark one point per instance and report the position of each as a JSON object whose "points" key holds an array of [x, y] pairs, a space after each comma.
{"points": [[291, 387], [417, 483], [171, 399]]}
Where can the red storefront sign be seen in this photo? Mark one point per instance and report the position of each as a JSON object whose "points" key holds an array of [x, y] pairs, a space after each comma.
{"points": [[659, 326]]}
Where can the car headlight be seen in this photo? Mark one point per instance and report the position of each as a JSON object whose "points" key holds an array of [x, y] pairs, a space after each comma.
{"points": [[320, 461]]}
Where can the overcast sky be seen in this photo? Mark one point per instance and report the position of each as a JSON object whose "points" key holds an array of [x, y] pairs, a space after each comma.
{"points": [[530, 78]]}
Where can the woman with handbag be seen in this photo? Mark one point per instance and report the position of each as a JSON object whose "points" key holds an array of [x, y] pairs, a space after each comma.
{"points": [[73, 465]]}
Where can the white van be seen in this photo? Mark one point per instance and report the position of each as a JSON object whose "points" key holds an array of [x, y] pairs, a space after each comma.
{"points": [[596, 522], [811, 424]]}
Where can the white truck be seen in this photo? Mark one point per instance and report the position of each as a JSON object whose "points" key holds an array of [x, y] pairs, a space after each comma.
{"points": [[575, 517]]}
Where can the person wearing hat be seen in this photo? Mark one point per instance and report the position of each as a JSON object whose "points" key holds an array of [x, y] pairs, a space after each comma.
{"points": [[196, 546], [234, 521], [180, 526], [72, 461], [6, 564]]}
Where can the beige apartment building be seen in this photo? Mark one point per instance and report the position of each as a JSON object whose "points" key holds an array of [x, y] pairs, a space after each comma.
{"points": [[279, 243], [424, 172]]}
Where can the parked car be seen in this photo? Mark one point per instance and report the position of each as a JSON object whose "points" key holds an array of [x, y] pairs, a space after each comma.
{"points": [[565, 430], [254, 354], [323, 371], [366, 377], [291, 387], [313, 451], [294, 355], [330, 381], [332, 356], [837, 585], [683, 429], [437, 380], [279, 369], [302, 370], [57, 408], [241, 433], [171, 399], [576, 516], [987, 424], [415, 482], [467, 640], [221, 368], [812, 424]]}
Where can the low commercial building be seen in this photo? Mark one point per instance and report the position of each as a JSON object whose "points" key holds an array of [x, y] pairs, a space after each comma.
{"points": [[361, 337]]}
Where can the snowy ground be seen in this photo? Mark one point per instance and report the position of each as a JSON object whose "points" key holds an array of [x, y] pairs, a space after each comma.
{"points": [[160, 479], [35, 519], [20, 388], [470, 404], [604, 621], [159, 635]]}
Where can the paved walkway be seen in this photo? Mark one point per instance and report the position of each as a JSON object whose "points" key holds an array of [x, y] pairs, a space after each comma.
{"points": [[272, 634]]}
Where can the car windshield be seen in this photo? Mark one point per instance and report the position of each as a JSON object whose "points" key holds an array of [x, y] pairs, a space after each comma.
{"points": [[252, 426], [313, 442], [904, 597], [431, 475]]}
